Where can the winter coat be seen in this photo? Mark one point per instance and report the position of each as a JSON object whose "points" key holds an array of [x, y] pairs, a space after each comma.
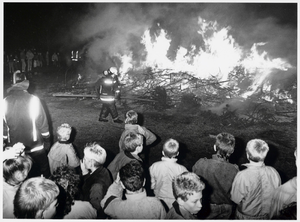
{"points": [[252, 190], [162, 174], [25, 120], [62, 153]]}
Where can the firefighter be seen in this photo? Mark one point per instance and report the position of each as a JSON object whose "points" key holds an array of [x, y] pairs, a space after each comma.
{"points": [[25, 121], [107, 88]]}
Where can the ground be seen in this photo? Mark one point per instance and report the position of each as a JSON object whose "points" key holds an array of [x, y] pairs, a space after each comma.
{"points": [[192, 130]]}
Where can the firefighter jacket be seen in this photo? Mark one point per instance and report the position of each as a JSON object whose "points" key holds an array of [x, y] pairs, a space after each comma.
{"points": [[106, 88], [24, 118]]}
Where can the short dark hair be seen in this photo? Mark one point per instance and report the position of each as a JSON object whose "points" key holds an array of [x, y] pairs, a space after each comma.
{"points": [[132, 175], [185, 184], [225, 143], [65, 174], [11, 166], [68, 182]]}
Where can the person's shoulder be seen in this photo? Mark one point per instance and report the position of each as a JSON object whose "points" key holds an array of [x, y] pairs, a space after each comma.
{"points": [[69, 146], [245, 173], [154, 200], [201, 161], [57, 146], [82, 210], [270, 168], [120, 158], [157, 163], [172, 214]]}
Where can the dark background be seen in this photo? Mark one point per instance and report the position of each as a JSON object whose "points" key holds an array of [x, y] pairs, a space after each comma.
{"points": [[42, 24]]}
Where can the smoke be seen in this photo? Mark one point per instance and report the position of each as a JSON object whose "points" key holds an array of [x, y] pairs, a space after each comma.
{"points": [[111, 29]]}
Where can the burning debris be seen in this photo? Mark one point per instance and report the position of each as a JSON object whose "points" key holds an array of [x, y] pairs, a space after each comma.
{"points": [[205, 61]]}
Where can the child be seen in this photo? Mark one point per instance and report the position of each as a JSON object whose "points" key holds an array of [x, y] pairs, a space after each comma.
{"points": [[69, 207], [133, 147], [163, 172], [131, 125], [219, 175], [137, 204], [63, 152], [36, 198], [252, 187], [187, 189], [15, 171], [283, 196], [95, 176]]}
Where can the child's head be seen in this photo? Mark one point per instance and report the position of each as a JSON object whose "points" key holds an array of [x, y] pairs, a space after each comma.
{"points": [[224, 144], [15, 171], [94, 155], [257, 150], [67, 178], [36, 198], [131, 117], [133, 142], [170, 148], [187, 190], [132, 176], [68, 182], [64, 132]]}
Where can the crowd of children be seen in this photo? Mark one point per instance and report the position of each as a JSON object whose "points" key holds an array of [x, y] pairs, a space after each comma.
{"points": [[85, 189]]}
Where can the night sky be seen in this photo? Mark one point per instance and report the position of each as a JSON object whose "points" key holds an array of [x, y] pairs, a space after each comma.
{"points": [[48, 25], [36, 24]]}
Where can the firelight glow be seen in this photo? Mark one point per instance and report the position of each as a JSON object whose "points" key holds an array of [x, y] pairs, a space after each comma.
{"points": [[217, 57]]}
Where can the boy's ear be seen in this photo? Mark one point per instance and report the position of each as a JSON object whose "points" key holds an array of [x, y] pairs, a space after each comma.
{"points": [[18, 175], [215, 148], [163, 153], [180, 201]]}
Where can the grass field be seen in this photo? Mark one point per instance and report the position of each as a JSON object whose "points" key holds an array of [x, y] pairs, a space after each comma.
{"points": [[191, 130]]}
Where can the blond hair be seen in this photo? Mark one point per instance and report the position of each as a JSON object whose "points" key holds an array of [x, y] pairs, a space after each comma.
{"points": [[170, 148], [96, 152], [257, 150], [64, 132]]}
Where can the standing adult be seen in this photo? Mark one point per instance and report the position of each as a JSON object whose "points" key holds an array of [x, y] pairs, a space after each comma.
{"points": [[29, 56], [25, 121], [40, 58], [11, 63], [106, 89], [23, 58], [47, 58], [54, 59]]}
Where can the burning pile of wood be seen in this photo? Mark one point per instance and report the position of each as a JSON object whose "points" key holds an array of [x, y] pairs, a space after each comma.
{"points": [[164, 88]]}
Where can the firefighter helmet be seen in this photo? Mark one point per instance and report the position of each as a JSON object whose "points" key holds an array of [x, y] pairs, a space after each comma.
{"points": [[113, 70]]}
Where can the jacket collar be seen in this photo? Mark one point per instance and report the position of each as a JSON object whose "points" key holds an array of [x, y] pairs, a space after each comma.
{"points": [[19, 86]]}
